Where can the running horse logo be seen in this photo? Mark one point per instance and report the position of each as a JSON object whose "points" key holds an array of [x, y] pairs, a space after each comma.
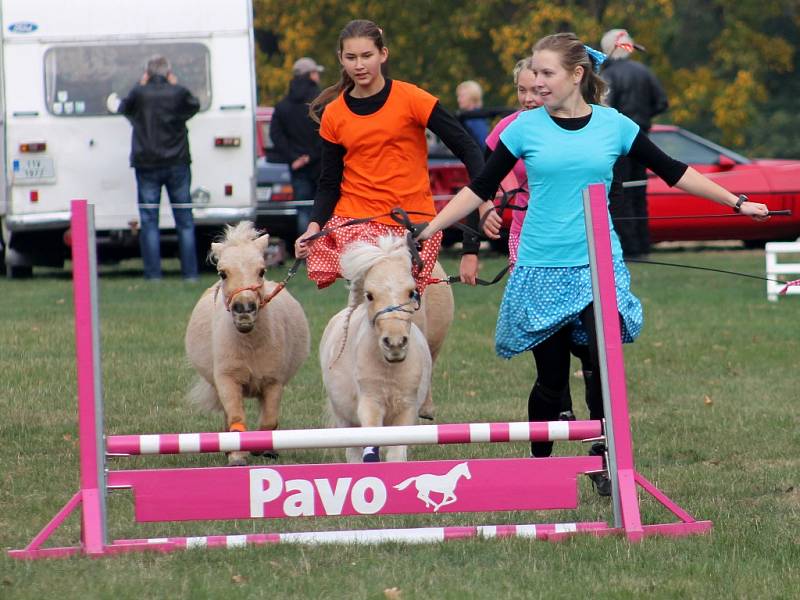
{"points": [[442, 484]]}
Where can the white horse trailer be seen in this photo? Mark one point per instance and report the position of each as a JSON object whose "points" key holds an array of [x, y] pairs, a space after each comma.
{"points": [[60, 62]]}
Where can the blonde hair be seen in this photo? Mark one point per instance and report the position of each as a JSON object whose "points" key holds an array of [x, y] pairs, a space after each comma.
{"points": [[525, 64], [472, 89]]}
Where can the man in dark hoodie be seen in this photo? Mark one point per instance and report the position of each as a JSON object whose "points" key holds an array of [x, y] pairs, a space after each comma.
{"points": [[294, 134], [636, 93]]}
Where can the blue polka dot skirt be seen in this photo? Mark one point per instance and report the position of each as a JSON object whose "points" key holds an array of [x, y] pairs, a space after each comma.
{"points": [[538, 301]]}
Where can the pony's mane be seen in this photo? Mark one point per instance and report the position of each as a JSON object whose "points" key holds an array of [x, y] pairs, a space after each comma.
{"points": [[243, 232], [360, 257]]}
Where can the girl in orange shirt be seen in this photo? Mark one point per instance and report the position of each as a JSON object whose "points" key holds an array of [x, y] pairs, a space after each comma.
{"points": [[375, 157]]}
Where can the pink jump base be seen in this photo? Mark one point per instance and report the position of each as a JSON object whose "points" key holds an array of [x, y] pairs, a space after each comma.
{"points": [[420, 535]]}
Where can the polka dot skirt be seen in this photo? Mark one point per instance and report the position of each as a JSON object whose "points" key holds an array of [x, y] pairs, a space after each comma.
{"points": [[513, 247], [323, 259], [538, 301]]}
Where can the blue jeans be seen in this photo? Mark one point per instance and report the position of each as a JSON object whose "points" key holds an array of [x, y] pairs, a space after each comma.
{"points": [[177, 180], [304, 187]]}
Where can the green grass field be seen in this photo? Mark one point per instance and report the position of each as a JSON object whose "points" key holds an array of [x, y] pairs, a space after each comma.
{"points": [[714, 408]]}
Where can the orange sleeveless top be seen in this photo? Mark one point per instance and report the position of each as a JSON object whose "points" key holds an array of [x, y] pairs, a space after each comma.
{"points": [[386, 154]]}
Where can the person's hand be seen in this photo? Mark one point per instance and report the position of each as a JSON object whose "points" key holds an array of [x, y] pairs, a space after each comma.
{"points": [[172, 78], [144, 79], [301, 248], [755, 210], [468, 270], [425, 233], [493, 223], [300, 162]]}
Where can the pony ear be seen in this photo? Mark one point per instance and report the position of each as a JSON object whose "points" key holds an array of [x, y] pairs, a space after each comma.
{"points": [[216, 247], [262, 242]]}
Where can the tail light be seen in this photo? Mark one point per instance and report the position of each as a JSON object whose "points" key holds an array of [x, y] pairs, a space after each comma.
{"points": [[227, 142], [228, 189], [282, 192], [34, 195], [33, 147]]}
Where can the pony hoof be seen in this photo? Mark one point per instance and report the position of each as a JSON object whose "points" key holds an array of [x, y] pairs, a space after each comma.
{"points": [[371, 454], [269, 454]]}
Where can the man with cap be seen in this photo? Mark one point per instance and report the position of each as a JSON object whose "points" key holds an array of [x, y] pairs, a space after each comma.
{"points": [[294, 134], [635, 92]]}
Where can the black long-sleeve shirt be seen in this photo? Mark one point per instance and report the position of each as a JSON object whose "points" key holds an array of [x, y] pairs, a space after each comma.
{"points": [[643, 150], [440, 122]]}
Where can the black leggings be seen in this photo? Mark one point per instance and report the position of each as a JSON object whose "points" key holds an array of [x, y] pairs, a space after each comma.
{"points": [[552, 358]]}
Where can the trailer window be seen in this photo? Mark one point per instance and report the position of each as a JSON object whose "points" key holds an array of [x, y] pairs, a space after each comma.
{"points": [[79, 79]]}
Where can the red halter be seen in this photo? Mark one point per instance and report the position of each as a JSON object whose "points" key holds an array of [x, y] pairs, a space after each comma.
{"points": [[253, 288]]}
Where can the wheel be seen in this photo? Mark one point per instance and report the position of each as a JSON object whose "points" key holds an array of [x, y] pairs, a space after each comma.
{"points": [[19, 271], [203, 239]]}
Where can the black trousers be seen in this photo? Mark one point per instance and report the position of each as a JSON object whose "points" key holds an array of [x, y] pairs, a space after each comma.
{"points": [[629, 212], [552, 357]]}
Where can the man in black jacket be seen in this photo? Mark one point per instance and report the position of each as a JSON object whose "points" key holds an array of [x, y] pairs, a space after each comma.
{"points": [[158, 109], [636, 93], [294, 134]]}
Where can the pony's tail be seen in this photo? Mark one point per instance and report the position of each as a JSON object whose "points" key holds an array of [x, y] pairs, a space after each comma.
{"points": [[404, 484], [204, 395]]}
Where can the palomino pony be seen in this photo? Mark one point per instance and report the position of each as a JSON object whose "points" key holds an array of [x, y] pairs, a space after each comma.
{"points": [[434, 319], [244, 338], [376, 364]]}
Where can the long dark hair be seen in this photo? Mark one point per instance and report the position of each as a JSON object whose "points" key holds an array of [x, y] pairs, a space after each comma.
{"points": [[573, 54], [354, 29]]}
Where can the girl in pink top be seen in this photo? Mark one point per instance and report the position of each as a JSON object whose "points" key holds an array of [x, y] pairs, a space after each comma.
{"points": [[528, 98]]}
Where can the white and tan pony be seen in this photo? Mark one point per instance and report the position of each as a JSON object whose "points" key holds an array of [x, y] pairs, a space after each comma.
{"points": [[376, 362], [244, 338]]}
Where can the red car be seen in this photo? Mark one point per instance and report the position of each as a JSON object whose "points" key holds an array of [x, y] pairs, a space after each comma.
{"points": [[776, 183], [773, 182]]}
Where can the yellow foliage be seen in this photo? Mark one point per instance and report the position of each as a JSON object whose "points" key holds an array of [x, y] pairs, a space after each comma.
{"points": [[438, 43], [735, 105]]}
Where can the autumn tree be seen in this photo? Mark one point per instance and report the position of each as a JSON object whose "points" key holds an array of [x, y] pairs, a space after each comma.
{"points": [[721, 61]]}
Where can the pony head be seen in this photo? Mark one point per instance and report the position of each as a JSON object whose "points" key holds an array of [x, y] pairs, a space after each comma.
{"points": [[241, 263], [380, 277]]}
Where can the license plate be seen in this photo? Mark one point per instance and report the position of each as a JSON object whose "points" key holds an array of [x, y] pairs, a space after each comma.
{"points": [[263, 193], [34, 170]]}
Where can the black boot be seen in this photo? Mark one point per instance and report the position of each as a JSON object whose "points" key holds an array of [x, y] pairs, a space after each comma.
{"points": [[600, 481], [543, 405], [594, 395], [566, 413]]}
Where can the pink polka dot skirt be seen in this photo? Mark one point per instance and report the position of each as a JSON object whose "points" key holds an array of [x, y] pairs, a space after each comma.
{"points": [[323, 260]]}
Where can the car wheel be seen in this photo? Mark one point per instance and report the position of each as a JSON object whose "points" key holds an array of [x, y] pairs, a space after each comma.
{"points": [[19, 271]]}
